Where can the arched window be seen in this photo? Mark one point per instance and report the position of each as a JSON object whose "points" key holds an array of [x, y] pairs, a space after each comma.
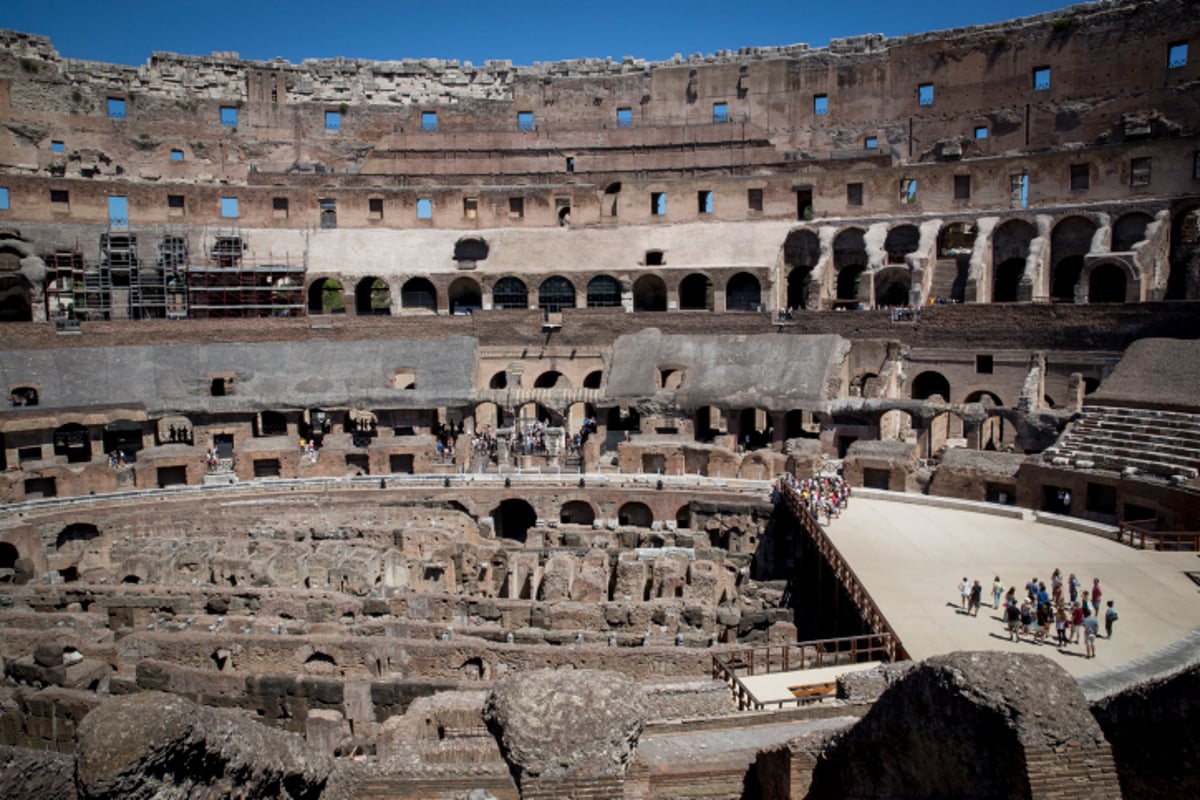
{"points": [[464, 296], [603, 291], [510, 293], [372, 297], [555, 294], [418, 293], [649, 294], [325, 296], [743, 293], [696, 293]]}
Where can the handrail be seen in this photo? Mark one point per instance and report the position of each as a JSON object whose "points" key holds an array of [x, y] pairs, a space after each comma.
{"points": [[1133, 534], [730, 666], [870, 611]]}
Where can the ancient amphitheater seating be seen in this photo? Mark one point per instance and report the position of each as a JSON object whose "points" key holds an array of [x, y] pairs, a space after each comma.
{"points": [[1131, 440]]}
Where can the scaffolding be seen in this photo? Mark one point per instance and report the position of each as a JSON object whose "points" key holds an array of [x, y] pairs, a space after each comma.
{"points": [[177, 282]]}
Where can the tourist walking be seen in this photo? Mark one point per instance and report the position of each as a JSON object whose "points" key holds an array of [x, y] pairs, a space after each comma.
{"points": [[1076, 622], [964, 589], [1110, 616], [975, 599], [997, 591], [1096, 594], [1012, 616]]}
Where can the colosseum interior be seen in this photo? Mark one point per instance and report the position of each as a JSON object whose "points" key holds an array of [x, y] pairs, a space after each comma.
{"points": [[421, 429]]}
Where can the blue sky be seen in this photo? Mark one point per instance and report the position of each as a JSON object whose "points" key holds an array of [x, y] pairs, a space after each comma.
{"points": [[523, 32]]}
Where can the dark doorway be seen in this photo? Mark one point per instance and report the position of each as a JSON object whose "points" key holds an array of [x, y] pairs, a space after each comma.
{"points": [[513, 519]]}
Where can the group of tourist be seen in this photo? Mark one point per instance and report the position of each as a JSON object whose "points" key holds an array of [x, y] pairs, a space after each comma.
{"points": [[822, 494], [1068, 608]]}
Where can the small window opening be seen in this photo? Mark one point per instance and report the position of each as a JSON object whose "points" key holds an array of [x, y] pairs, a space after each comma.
{"points": [[854, 194], [704, 201], [229, 207], [176, 154], [754, 199], [516, 207], [962, 187], [908, 191], [229, 116], [1041, 79], [981, 131], [1177, 55], [327, 207], [524, 120], [3, 198], [570, 164], [821, 105], [375, 207], [925, 94], [424, 208], [624, 117], [720, 112], [1139, 172], [217, 388], [429, 121], [1080, 177], [60, 196], [983, 365], [470, 207], [116, 107], [279, 207], [871, 143], [175, 205], [57, 147], [655, 258], [25, 396], [333, 120], [658, 204], [1019, 190]]}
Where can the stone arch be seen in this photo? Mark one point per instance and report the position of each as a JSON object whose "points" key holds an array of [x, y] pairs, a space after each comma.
{"points": [[635, 514], [801, 253], [372, 297], [892, 285], [510, 292], [464, 296], [1108, 282], [743, 292], [418, 293], [1070, 241], [683, 517], [577, 512], [1129, 230], [551, 379], [649, 294], [849, 280], [73, 441], [326, 296], [849, 247], [1006, 284], [956, 243], [513, 518], [994, 432], [1010, 250], [593, 379], [499, 380], [754, 468], [930, 385], [900, 242], [708, 423], [9, 556], [603, 291], [16, 299], [754, 428], [866, 384], [696, 293], [556, 293]]}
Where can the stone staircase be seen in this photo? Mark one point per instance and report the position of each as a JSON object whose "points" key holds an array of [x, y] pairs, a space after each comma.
{"points": [[947, 281], [1131, 441]]}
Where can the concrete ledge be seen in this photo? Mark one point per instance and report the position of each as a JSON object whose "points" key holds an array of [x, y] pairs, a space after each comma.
{"points": [[1170, 660], [1076, 524], [995, 509]]}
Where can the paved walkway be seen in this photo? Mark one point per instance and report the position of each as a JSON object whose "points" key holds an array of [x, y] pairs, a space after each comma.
{"points": [[912, 558]]}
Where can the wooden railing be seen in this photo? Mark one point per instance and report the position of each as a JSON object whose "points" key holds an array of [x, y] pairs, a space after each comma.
{"points": [[731, 666], [876, 621], [1136, 535]]}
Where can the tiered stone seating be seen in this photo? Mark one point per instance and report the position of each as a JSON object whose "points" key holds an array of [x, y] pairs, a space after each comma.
{"points": [[1162, 443]]}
